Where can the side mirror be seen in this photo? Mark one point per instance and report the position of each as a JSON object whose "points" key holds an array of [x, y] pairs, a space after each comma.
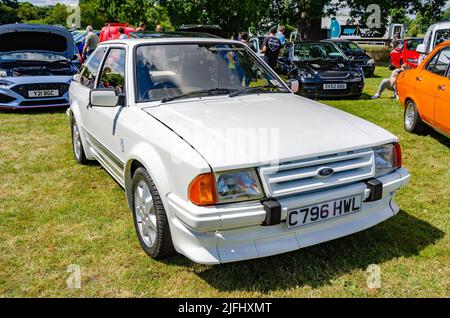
{"points": [[421, 49], [104, 97], [293, 85]]}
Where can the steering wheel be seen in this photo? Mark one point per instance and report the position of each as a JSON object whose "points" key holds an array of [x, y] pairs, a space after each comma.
{"points": [[159, 85]]}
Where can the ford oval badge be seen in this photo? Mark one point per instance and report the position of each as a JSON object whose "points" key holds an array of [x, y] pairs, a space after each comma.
{"points": [[325, 172]]}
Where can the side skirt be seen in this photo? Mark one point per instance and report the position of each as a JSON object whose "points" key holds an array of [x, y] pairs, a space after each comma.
{"points": [[113, 165]]}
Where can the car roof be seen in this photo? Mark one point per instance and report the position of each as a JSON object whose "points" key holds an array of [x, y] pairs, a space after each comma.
{"points": [[440, 25], [310, 41], [169, 40], [336, 40], [176, 34]]}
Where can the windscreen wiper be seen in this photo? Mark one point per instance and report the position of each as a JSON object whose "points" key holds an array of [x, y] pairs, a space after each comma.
{"points": [[253, 89], [208, 92]]}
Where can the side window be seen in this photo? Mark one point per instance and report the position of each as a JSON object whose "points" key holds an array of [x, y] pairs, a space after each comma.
{"points": [[286, 50], [439, 63], [441, 36], [254, 45], [89, 71], [430, 66], [113, 71]]}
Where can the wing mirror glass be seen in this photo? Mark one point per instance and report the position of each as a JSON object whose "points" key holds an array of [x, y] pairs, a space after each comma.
{"points": [[293, 85], [104, 97], [421, 49]]}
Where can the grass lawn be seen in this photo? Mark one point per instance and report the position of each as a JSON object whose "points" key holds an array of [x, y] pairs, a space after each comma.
{"points": [[54, 213]]}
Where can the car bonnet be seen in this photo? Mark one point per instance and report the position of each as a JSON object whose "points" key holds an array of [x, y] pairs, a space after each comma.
{"points": [[19, 38]]}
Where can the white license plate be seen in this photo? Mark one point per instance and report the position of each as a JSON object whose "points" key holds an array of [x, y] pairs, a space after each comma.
{"points": [[335, 86], [323, 211], [44, 93]]}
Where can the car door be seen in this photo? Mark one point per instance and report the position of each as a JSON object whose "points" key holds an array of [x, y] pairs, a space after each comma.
{"points": [[254, 45], [442, 105], [85, 81], [396, 55], [103, 122], [284, 61], [426, 88]]}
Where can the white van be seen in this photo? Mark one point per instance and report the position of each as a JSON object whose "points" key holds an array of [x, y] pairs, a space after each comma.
{"points": [[436, 34]]}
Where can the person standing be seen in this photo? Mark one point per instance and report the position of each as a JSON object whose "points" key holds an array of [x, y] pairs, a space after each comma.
{"points": [[280, 34], [91, 42], [141, 27], [122, 34], [390, 83], [271, 48], [244, 38]]}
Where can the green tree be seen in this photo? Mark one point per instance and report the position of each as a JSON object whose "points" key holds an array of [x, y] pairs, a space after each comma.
{"points": [[92, 14], [10, 3], [58, 14], [26, 12], [7, 14], [232, 15], [125, 11]]}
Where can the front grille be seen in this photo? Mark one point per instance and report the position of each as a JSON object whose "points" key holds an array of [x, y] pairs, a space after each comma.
{"points": [[24, 88], [49, 102], [302, 176], [4, 99], [335, 74]]}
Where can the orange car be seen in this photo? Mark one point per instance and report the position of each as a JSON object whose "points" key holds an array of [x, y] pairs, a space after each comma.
{"points": [[425, 92]]}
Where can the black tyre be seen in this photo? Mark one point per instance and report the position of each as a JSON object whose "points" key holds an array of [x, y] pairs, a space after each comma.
{"points": [[412, 121], [149, 216], [77, 145]]}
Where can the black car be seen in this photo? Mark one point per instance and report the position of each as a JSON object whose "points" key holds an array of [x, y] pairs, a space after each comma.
{"points": [[355, 54], [322, 70]]}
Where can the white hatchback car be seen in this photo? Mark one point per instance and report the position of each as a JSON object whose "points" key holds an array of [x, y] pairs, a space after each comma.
{"points": [[219, 160]]}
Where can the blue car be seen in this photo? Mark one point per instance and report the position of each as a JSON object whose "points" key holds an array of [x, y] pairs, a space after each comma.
{"points": [[36, 66]]}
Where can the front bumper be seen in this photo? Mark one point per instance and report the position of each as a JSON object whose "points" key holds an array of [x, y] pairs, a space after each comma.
{"points": [[221, 234], [368, 69], [314, 89], [12, 98]]}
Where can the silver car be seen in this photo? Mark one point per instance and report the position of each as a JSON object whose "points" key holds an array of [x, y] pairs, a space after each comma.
{"points": [[36, 66]]}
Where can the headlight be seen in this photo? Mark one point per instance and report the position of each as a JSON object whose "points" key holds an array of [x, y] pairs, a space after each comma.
{"points": [[387, 158], [413, 61], [357, 74], [371, 61], [304, 74], [4, 83], [223, 187]]}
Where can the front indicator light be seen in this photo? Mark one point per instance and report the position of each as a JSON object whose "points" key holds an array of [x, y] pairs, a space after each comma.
{"points": [[202, 190]]}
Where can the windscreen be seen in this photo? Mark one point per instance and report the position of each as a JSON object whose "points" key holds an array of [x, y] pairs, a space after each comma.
{"points": [[316, 51], [164, 71]]}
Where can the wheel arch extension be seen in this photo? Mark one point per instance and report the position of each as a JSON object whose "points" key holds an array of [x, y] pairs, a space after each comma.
{"points": [[154, 166]]}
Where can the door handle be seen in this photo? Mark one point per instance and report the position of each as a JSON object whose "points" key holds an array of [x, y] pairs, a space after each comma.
{"points": [[418, 78], [441, 87]]}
